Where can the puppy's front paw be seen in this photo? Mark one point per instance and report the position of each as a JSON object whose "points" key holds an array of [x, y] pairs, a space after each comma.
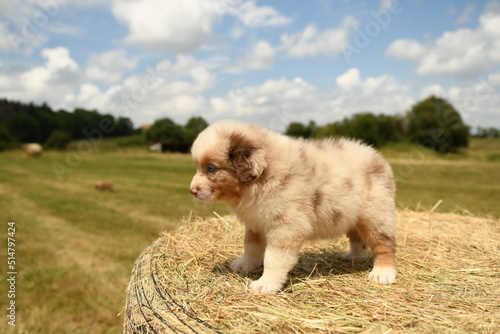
{"points": [[262, 286], [245, 265], [383, 275]]}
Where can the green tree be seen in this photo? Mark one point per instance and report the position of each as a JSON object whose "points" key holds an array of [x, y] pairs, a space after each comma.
{"points": [[336, 129], [296, 130], [6, 139], [35, 123], [167, 131], [364, 126], [436, 124], [24, 128], [124, 127], [196, 124], [391, 128], [44, 117]]}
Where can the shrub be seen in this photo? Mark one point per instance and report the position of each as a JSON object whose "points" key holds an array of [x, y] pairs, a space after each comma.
{"points": [[58, 140]]}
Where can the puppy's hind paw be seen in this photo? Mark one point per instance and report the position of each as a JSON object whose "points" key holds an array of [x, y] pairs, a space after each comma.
{"points": [[358, 252], [354, 256], [244, 265], [383, 275]]}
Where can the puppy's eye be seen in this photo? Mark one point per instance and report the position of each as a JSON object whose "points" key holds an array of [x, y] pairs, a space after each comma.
{"points": [[211, 169]]}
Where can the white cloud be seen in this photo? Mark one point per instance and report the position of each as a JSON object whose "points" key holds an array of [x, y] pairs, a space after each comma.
{"points": [[273, 104], [476, 102], [311, 41], [382, 94], [170, 89], [88, 95], [108, 67], [349, 79], [174, 26], [276, 103], [448, 56], [185, 26], [25, 24], [58, 76], [46, 81], [187, 66], [180, 88], [464, 52], [406, 49], [259, 16], [261, 57]]}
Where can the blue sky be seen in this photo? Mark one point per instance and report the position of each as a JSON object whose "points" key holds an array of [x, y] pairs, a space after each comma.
{"points": [[267, 62]]}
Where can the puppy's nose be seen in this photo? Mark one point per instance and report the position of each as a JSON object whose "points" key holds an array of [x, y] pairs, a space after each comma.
{"points": [[194, 191]]}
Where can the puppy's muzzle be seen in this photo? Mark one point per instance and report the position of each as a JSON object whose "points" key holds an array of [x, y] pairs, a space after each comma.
{"points": [[194, 191]]}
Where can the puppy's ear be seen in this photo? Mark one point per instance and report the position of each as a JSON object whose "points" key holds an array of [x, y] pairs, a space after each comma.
{"points": [[247, 160]]}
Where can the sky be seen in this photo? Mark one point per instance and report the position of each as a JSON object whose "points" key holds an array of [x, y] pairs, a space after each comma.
{"points": [[260, 61]]}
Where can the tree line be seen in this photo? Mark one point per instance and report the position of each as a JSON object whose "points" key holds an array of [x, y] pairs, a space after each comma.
{"points": [[29, 122], [432, 122], [167, 131]]}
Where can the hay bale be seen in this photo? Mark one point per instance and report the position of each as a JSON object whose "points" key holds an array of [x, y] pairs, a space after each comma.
{"points": [[103, 186], [449, 281], [32, 149]]}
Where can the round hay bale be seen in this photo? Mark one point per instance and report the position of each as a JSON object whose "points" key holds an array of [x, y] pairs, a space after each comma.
{"points": [[32, 149], [448, 281], [175, 278]]}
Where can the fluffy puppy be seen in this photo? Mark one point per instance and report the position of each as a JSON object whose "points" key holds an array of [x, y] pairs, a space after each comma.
{"points": [[286, 191]]}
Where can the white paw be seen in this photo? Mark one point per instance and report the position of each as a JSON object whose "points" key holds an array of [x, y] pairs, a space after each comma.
{"points": [[244, 265], [265, 287], [383, 275]]}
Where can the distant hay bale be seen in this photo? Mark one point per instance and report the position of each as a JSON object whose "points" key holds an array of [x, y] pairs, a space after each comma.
{"points": [[103, 186], [449, 282], [32, 149]]}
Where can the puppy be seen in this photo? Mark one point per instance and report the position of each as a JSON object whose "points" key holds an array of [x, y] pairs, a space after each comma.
{"points": [[286, 191]]}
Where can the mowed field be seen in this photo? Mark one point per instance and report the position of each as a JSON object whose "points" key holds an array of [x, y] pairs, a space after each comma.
{"points": [[75, 246]]}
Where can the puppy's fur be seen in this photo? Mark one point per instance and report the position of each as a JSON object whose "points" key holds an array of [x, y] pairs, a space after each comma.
{"points": [[287, 190]]}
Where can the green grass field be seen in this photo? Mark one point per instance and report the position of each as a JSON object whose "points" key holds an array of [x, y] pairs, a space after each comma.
{"points": [[75, 246]]}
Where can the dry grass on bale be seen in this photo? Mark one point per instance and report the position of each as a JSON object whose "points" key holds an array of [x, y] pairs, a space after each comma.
{"points": [[449, 282]]}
